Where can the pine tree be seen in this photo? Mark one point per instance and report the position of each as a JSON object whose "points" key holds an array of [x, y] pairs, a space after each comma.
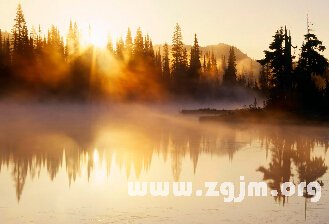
{"points": [[38, 43], [76, 43], [146, 45], [73, 41], [129, 43], [151, 50], [158, 62], [166, 62], [148, 48], [179, 53], [311, 63], [195, 64], [20, 38], [138, 50], [185, 60], [214, 69], [278, 62], [204, 66], [208, 63], [263, 78], [120, 47], [223, 65], [230, 75]]}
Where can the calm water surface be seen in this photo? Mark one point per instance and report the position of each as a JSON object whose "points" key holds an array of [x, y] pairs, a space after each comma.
{"points": [[72, 163]]}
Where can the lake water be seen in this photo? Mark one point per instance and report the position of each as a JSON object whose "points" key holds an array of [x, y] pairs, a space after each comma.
{"points": [[72, 164]]}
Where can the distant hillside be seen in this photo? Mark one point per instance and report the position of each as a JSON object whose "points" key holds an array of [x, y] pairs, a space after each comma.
{"points": [[244, 63]]}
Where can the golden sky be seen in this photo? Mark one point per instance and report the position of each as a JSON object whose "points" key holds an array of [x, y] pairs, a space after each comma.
{"points": [[247, 24]]}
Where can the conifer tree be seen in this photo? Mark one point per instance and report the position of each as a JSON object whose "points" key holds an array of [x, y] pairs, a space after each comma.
{"points": [[278, 64], [204, 66], [129, 43], [120, 47], [195, 64], [166, 62], [311, 63], [20, 38], [230, 75], [158, 62], [179, 54], [138, 50], [72, 41]]}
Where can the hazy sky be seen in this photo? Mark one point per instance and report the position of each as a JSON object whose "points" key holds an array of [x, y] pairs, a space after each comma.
{"points": [[247, 24]]}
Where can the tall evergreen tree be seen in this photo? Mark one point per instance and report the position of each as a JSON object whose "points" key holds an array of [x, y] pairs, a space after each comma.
{"points": [[148, 48], [278, 62], [230, 75], [223, 65], [311, 63], [179, 53], [166, 62], [158, 62], [72, 41], [263, 78], [138, 50], [204, 65], [195, 64], [20, 38], [120, 48], [213, 65], [129, 43]]}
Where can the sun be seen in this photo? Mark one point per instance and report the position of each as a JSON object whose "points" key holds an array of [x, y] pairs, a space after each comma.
{"points": [[99, 39], [94, 36]]}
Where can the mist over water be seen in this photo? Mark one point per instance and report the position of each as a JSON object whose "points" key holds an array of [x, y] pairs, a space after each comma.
{"points": [[70, 163]]}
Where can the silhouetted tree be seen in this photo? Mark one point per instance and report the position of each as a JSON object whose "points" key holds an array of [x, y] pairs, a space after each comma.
{"points": [[73, 41], [195, 64], [166, 63], [138, 50], [230, 75], [148, 49], [120, 47], [179, 54], [311, 63], [129, 43], [263, 78], [20, 38], [278, 62], [158, 61]]}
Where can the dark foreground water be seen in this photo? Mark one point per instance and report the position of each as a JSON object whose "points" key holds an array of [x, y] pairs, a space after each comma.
{"points": [[72, 164]]}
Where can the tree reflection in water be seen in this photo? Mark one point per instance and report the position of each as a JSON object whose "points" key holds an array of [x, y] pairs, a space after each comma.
{"points": [[55, 141]]}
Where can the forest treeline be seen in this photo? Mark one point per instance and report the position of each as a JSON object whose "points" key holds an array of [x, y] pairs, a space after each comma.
{"points": [[131, 68], [32, 63], [300, 85]]}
